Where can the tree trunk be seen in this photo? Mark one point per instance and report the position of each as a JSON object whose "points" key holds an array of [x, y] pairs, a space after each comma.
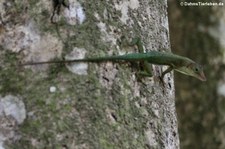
{"points": [[100, 106]]}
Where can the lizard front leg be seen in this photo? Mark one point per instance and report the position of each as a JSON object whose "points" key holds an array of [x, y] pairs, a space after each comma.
{"points": [[169, 69]]}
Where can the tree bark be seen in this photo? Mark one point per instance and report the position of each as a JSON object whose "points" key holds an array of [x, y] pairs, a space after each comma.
{"points": [[89, 105]]}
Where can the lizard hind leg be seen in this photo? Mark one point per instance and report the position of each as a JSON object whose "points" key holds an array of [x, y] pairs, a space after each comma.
{"points": [[146, 70], [146, 66], [57, 8], [137, 42]]}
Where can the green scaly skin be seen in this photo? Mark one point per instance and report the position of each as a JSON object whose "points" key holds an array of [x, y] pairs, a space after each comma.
{"points": [[175, 62]]}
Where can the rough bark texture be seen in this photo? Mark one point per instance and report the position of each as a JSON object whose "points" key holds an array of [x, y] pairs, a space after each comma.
{"points": [[100, 106]]}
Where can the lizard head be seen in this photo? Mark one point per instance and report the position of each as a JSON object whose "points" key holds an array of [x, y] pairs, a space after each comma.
{"points": [[194, 70]]}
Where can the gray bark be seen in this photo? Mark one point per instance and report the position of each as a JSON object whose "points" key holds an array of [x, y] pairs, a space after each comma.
{"points": [[86, 105]]}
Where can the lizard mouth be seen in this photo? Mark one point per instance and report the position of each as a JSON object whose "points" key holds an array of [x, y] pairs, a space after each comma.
{"points": [[202, 77]]}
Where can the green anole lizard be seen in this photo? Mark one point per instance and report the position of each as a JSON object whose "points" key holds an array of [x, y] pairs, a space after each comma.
{"points": [[174, 62]]}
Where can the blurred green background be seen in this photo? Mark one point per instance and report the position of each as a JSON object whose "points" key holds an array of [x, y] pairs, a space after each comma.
{"points": [[198, 32]]}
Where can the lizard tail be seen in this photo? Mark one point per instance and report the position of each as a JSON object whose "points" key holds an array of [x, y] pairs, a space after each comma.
{"points": [[127, 57], [100, 59]]}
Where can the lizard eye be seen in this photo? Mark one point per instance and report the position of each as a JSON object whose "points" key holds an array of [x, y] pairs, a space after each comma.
{"points": [[196, 69]]}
